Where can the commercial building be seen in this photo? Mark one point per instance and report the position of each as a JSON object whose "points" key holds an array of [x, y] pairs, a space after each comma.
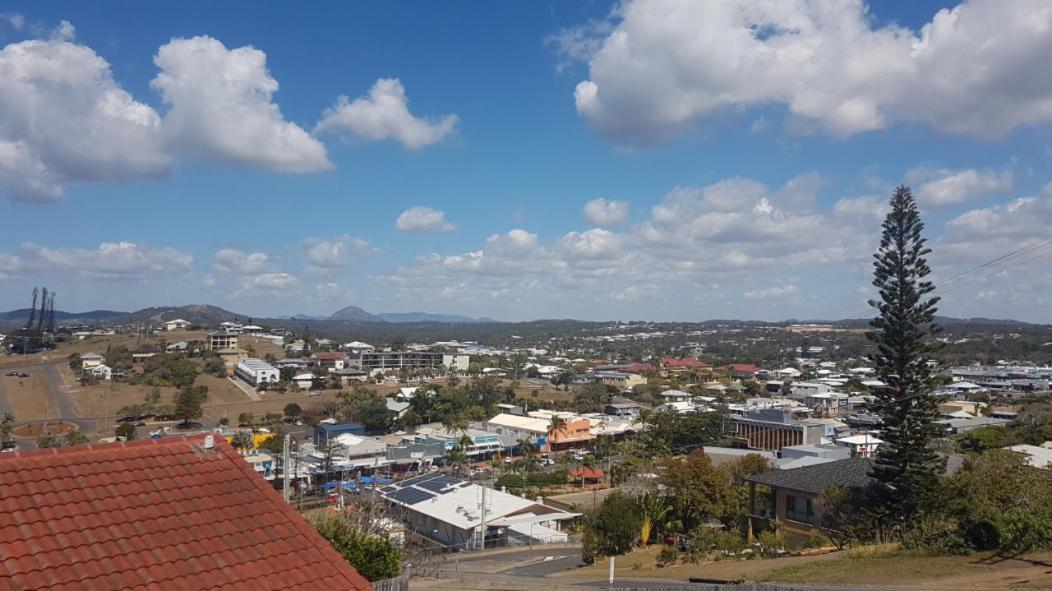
{"points": [[460, 515], [257, 372], [396, 360], [772, 429]]}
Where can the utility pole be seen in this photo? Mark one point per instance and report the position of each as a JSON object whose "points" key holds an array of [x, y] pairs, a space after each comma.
{"points": [[285, 467]]}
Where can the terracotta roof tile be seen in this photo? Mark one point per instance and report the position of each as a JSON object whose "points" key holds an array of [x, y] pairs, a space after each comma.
{"points": [[148, 514]]}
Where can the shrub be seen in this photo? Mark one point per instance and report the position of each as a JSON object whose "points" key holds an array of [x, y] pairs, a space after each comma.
{"points": [[374, 557], [667, 556]]}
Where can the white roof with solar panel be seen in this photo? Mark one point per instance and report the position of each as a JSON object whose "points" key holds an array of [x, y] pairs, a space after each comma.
{"points": [[459, 503]]}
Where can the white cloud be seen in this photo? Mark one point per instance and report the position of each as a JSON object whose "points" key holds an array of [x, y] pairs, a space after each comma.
{"points": [[777, 292], [1020, 218], [63, 120], [423, 219], [866, 209], [517, 242], [383, 115], [334, 291], [221, 106], [17, 21], [109, 260], [600, 212], [940, 186], [335, 253], [661, 64], [591, 244], [269, 281], [239, 262]]}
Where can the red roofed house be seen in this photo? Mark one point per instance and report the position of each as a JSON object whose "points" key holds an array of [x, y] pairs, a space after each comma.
{"points": [[335, 359], [637, 367], [177, 513], [675, 366], [586, 475], [741, 371]]}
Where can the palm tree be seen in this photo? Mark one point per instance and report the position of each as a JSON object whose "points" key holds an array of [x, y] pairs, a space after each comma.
{"points": [[554, 426], [526, 446], [654, 509]]}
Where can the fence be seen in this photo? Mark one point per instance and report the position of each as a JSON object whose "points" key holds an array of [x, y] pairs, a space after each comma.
{"points": [[399, 583]]}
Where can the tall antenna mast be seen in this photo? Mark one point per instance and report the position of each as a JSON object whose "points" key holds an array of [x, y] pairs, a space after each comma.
{"points": [[51, 313], [43, 309], [33, 309]]}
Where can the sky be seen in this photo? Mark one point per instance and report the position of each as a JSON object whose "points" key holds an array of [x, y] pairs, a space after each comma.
{"points": [[636, 160]]}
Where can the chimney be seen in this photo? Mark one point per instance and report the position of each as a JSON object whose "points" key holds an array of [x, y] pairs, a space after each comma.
{"points": [[210, 442]]}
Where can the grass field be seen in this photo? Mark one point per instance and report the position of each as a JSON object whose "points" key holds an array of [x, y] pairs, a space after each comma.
{"points": [[880, 568]]}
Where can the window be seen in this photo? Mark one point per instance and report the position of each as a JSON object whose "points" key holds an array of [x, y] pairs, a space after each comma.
{"points": [[799, 509]]}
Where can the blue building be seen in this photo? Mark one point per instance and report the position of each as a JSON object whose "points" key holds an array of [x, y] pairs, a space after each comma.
{"points": [[325, 432]]}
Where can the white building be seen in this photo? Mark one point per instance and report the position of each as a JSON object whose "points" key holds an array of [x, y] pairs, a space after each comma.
{"points": [[518, 427], [257, 372], [358, 347], [862, 446], [177, 324], [458, 514], [101, 372]]}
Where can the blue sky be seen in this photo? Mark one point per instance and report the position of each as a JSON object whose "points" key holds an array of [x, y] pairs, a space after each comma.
{"points": [[191, 180]]}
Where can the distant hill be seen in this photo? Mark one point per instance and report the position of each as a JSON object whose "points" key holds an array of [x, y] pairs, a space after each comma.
{"points": [[202, 314], [22, 315], [353, 314], [412, 317]]}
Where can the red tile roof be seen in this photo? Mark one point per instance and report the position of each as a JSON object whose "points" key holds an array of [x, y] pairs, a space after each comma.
{"points": [[586, 472], [689, 363], [329, 356], [155, 514], [742, 368]]}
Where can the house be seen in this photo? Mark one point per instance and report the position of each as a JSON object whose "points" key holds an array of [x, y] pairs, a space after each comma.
{"points": [[101, 372], [676, 396], [586, 475], [861, 446], [450, 512], [296, 346], [145, 351], [397, 407], [90, 360], [177, 324], [222, 339], [252, 329], [741, 371], [618, 379], [358, 347], [329, 360], [177, 347], [1037, 456], [787, 373], [623, 409], [305, 381], [175, 513], [795, 494], [671, 366], [957, 426], [231, 327], [801, 390], [350, 375], [257, 373]]}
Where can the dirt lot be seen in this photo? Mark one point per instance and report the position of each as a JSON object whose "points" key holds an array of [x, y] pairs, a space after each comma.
{"points": [[30, 398]]}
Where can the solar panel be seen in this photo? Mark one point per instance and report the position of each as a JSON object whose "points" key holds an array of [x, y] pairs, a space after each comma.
{"points": [[438, 484], [388, 489], [410, 496], [416, 479]]}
